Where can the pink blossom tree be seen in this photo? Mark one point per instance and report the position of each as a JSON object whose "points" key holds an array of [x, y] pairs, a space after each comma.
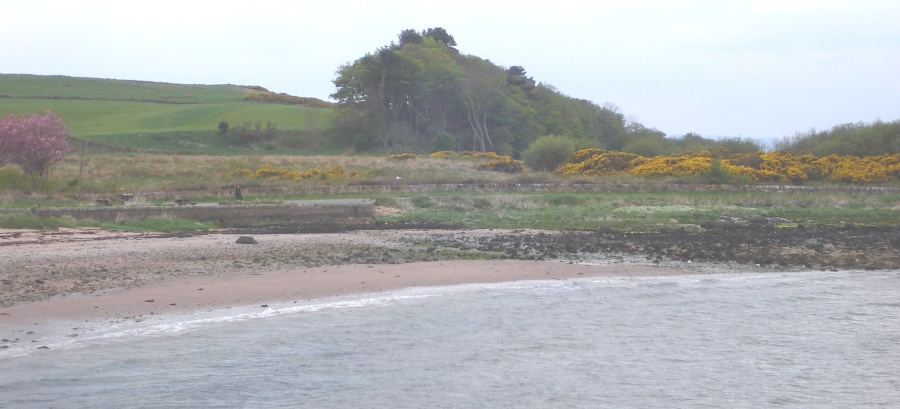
{"points": [[33, 142]]}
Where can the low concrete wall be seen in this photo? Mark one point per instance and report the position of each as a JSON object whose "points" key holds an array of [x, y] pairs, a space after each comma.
{"points": [[226, 215]]}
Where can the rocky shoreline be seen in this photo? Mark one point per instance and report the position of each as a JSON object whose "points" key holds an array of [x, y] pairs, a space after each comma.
{"points": [[37, 266], [753, 244]]}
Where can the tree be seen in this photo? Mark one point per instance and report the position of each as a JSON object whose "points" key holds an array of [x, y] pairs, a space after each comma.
{"points": [[440, 35], [34, 142], [515, 76], [484, 99], [402, 96], [409, 36], [223, 127]]}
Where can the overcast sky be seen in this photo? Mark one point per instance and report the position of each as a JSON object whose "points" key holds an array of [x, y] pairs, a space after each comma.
{"points": [[761, 69]]}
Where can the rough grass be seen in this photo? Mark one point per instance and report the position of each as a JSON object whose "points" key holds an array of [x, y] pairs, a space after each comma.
{"points": [[162, 178], [163, 224], [630, 210]]}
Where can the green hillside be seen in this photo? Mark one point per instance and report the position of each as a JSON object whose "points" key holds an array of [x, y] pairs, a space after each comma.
{"points": [[102, 109]]}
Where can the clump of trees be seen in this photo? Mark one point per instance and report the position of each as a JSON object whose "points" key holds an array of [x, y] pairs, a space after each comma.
{"points": [[859, 139], [650, 142], [33, 142], [422, 94]]}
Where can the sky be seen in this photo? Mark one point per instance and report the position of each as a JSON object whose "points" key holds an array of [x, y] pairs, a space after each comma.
{"points": [[762, 69]]}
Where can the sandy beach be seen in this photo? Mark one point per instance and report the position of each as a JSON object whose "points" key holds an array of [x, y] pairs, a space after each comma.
{"points": [[110, 277]]}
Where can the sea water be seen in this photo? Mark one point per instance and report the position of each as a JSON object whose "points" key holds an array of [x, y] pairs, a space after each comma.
{"points": [[737, 340]]}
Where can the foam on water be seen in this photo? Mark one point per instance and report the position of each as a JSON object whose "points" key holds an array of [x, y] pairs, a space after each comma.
{"points": [[173, 324]]}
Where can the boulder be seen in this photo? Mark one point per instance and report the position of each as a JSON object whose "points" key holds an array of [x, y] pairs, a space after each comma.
{"points": [[246, 240]]}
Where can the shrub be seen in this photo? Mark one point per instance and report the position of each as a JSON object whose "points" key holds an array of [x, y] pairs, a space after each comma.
{"points": [[476, 154], [504, 164], [585, 154], [481, 203], [444, 142], [720, 174], [248, 133], [548, 152], [422, 202], [403, 156], [386, 201], [601, 163], [444, 154], [293, 175]]}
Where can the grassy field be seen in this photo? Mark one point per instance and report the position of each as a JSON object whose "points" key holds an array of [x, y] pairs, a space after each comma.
{"points": [[151, 123], [100, 109]]}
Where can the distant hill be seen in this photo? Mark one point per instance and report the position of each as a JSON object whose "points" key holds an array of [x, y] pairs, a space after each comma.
{"points": [[101, 109]]}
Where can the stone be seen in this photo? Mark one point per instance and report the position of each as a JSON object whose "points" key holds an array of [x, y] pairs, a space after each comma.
{"points": [[246, 240]]}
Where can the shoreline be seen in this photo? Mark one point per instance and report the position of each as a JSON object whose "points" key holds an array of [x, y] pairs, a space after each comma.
{"points": [[110, 277], [58, 321], [72, 283], [190, 294]]}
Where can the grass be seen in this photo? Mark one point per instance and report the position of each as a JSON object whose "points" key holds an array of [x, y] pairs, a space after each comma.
{"points": [[121, 109], [216, 175], [158, 224], [642, 211], [199, 178], [30, 221], [15, 85]]}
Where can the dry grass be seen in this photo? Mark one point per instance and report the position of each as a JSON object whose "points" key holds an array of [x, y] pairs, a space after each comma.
{"points": [[214, 175]]}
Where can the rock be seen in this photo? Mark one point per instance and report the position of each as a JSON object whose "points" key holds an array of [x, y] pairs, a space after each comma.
{"points": [[246, 240]]}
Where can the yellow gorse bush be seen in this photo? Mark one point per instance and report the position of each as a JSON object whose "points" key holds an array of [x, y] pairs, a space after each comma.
{"points": [[503, 164], [443, 154], [470, 154], [771, 167], [403, 156]]}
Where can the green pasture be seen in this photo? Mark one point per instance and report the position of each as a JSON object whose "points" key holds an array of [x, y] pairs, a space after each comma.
{"points": [[58, 86], [111, 107]]}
